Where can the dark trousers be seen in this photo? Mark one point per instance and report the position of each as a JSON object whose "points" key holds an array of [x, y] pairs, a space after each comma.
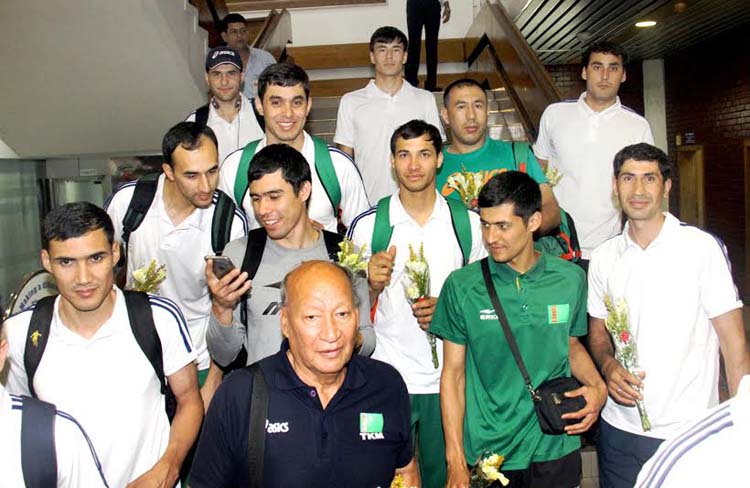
{"points": [[419, 14], [560, 473], [621, 455]]}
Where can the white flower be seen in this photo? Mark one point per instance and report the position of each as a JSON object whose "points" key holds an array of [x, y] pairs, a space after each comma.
{"points": [[418, 267], [412, 292]]}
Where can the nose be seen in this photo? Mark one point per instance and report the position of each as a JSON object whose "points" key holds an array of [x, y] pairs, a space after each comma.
{"points": [[471, 113], [262, 206], [329, 330], [82, 273], [204, 186], [638, 186], [605, 74]]}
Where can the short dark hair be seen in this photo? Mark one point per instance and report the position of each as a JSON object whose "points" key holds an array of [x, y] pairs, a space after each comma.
{"points": [[513, 187], [294, 167], [460, 84], [74, 220], [643, 152], [417, 128], [386, 35], [606, 47], [231, 19], [283, 74], [188, 136]]}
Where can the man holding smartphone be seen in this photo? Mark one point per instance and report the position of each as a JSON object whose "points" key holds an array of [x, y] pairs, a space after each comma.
{"points": [[177, 231], [280, 184]]}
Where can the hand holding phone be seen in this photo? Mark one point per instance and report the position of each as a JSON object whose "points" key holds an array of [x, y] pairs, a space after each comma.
{"points": [[221, 265]]}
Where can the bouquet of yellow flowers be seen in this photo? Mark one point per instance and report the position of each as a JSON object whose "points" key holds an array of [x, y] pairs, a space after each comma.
{"points": [[351, 258], [416, 282], [553, 175], [626, 349], [468, 185], [149, 278], [487, 471]]}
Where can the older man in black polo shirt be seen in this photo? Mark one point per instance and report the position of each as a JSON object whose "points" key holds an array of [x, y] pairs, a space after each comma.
{"points": [[333, 419]]}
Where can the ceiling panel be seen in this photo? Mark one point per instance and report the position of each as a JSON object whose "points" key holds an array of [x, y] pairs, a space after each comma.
{"points": [[559, 30]]}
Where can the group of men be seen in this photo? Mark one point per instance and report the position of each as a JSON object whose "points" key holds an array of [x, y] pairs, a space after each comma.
{"points": [[344, 388]]}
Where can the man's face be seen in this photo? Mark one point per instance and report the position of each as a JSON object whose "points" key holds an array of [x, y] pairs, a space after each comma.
{"points": [[466, 114], [388, 58], [195, 173], [416, 163], [236, 36], [603, 76], [275, 205], [641, 189], [504, 233], [82, 267], [224, 81], [320, 321], [284, 109]]}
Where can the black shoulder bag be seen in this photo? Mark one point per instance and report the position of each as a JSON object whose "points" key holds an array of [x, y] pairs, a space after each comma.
{"points": [[550, 402]]}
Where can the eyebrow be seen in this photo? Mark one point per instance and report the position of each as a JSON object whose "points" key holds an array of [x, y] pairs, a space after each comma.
{"points": [[269, 192], [68, 258]]}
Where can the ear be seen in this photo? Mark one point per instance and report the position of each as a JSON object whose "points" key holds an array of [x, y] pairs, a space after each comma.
{"points": [[46, 262], [224, 37], [168, 172], [535, 221], [309, 106], [305, 190], [205, 76], [439, 159], [3, 352], [115, 253], [667, 187], [406, 55], [624, 75], [372, 57], [258, 105], [284, 322], [583, 72], [444, 116]]}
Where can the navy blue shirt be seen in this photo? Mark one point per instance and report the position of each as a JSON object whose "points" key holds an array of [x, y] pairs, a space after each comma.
{"points": [[359, 440]]}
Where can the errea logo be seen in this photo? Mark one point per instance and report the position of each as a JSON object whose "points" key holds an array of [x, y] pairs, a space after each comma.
{"points": [[277, 427], [487, 314]]}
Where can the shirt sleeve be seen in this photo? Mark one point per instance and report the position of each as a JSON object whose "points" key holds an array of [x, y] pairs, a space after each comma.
{"points": [[353, 197], [77, 461], [344, 124], [648, 137], [579, 324], [220, 456], [239, 224], [533, 168], [228, 173], [478, 251], [16, 328], [597, 287], [432, 116], [176, 343], [446, 321], [544, 148], [717, 290]]}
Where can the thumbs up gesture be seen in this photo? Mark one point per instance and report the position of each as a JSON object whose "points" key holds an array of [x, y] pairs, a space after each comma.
{"points": [[380, 269]]}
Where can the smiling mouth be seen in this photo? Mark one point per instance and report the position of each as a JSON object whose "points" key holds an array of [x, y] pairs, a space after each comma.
{"points": [[331, 353]]}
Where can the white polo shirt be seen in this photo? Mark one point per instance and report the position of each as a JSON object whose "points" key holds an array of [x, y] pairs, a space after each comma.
{"points": [[182, 248], [353, 197], [366, 120], [77, 461], [673, 288], [582, 144], [400, 341], [107, 383], [235, 134], [716, 442]]}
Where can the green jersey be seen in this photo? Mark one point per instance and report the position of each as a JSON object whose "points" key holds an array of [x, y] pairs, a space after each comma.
{"points": [[492, 158], [545, 307]]}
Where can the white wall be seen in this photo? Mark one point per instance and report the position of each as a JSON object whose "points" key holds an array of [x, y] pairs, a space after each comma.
{"points": [[7, 152], [345, 25]]}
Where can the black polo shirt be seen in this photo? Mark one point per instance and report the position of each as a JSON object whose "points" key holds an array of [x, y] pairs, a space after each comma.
{"points": [[359, 440]]}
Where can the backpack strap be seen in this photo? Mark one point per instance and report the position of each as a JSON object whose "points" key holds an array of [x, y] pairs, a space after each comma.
{"points": [[36, 340], [522, 165], [240, 180], [461, 226], [382, 232], [201, 115], [256, 244], [221, 224], [327, 173], [142, 324], [38, 453], [143, 195], [256, 438], [332, 241]]}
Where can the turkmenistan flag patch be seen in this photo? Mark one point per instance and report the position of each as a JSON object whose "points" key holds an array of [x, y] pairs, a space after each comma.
{"points": [[558, 314], [370, 423]]}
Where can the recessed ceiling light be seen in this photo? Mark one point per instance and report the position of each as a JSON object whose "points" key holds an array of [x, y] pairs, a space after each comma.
{"points": [[645, 23]]}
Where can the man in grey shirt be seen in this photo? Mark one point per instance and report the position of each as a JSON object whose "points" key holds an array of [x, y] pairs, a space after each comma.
{"points": [[280, 183]]}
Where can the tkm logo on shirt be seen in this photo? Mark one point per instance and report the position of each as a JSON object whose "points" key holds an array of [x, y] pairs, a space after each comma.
{"points": [[371, 426]]}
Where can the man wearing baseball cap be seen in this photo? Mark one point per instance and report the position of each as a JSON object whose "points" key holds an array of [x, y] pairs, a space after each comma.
{"points": [[229, 113]]}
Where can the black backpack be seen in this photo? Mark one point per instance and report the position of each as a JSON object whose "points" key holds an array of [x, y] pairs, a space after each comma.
{"points": [[256, 245], [141, 323], [201, 115], [143, 196]]}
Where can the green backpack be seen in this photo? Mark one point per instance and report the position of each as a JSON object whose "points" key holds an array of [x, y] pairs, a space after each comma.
{"points": [[383, 230], [323, 166]]}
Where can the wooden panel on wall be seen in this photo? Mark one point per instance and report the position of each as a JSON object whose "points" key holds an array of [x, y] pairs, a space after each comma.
{"points": [[692, 190], [250, 5]]}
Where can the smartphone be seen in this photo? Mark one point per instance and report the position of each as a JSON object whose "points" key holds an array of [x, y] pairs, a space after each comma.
{"points": [[222, 265]]}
